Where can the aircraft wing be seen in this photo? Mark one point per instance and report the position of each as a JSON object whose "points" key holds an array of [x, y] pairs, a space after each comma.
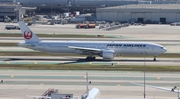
{"points": [[85, 49], [161, 88]]}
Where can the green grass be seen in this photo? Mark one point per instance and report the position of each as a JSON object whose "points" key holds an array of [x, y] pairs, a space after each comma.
{"points": [[8, 44], [54, 35], [92, 67]]}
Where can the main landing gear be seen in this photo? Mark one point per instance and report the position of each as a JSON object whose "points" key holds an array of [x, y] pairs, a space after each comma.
{"points": [[90, 57], [154, 58]]}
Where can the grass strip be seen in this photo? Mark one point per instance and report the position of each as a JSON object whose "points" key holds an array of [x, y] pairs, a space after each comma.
{"points": [[36, 53], [55, 35], [91, 67], [8, 44]]}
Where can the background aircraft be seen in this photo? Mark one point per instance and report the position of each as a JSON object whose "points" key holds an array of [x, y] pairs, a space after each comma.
{"points": [[174, 89], [104, 49]]}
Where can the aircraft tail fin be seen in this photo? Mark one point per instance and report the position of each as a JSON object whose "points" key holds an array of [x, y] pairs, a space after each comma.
{"points": [[28, 35]]}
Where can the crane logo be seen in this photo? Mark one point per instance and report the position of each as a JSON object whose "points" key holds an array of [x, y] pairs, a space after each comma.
{"points": [[28, 34]]}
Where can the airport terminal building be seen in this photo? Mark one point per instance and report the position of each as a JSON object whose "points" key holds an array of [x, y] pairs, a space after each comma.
{"points": [[144, 13], [10, 9]]}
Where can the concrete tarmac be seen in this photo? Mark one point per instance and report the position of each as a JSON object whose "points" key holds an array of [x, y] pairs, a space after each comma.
{"points": [[81, 60], [112, 84], [147, 32]]}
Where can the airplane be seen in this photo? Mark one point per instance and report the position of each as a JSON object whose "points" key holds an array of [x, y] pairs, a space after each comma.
{"points": [[105, 49], [175, 89]]}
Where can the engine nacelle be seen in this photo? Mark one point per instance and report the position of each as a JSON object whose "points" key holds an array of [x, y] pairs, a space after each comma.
{"points": [[108, 54]]}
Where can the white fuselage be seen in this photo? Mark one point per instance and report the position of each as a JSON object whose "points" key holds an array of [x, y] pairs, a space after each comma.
{"points": [[119, 48], [94, 93]]}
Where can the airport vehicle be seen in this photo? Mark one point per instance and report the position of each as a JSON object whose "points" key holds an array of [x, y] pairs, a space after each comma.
{"points": [[86, 26], [15, 21], [104, 49], [7, 19], [9, 27]]}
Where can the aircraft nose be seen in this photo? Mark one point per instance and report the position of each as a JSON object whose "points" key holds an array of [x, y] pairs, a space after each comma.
{"points": [[164, 50]]}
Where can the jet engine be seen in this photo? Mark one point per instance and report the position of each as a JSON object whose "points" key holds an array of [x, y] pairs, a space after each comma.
{"points": [[108, 54]]}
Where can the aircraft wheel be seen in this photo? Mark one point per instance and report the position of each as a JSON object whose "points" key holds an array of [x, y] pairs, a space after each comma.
{"points": [[90, 58], [154, 58]]}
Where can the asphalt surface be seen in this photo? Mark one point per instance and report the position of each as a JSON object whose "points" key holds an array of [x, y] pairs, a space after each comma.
{"points": [[112, 84], [81, 60]]}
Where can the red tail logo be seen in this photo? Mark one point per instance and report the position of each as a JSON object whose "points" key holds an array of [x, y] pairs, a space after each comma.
{"points": [[28, 34]]}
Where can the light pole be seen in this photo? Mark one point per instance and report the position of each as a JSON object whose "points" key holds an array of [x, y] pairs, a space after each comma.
{"points": [[51, 8], [144, 77], [144, 53], [178, 92]]}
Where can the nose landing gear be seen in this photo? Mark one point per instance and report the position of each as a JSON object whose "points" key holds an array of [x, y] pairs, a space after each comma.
{"points": [[154, 58]]}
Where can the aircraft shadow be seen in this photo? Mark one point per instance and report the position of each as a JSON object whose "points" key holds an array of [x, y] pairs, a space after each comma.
{"points": [[40, 59], [76, 59]]}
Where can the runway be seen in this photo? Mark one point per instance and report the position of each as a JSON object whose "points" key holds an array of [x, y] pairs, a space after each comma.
{"points": [[112, 84], [81, 60]]}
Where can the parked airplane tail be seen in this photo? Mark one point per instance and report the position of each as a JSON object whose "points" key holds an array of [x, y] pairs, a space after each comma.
{"points": [[28, 35], [90, 94]]}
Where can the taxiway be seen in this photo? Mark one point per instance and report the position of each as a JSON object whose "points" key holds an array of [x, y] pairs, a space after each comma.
{"points": [[112, 84]]}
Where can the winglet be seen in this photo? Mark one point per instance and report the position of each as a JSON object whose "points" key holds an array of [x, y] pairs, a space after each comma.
{"points": [[28, 35]]}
